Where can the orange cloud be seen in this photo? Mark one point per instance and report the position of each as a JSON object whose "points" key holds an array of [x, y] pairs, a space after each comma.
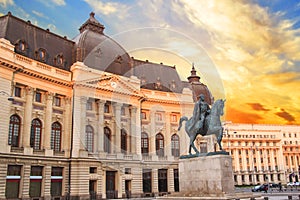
{"points": [[285, 115], [257, 106]]}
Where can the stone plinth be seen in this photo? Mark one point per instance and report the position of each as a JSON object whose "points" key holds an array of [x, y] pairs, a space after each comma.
{"points": [[206, 176]]}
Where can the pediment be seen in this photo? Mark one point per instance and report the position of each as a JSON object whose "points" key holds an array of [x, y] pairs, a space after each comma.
{"points": [[114, 84]]}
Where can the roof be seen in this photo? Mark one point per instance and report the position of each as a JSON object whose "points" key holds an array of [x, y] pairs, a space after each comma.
{"points": [[99, 51], [36, 38], [157, 76]]}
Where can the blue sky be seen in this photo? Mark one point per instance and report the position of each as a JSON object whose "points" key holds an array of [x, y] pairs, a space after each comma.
{"points": [[245, 51]]}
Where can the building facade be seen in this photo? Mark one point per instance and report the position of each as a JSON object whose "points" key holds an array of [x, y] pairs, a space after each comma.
{"points": [[82, 119], [263, 153]]}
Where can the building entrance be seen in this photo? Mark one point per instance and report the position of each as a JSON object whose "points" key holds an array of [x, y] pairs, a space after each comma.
{"points": [[111, 192]]}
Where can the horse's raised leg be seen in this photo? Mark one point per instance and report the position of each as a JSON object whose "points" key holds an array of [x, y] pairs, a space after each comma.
{"points": [[219, 139]]}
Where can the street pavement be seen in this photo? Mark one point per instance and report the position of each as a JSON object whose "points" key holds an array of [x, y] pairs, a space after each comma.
{"points": [[274, 194]]}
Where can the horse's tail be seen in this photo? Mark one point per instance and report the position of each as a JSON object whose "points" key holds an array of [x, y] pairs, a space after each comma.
{"points": [[184, 118]]}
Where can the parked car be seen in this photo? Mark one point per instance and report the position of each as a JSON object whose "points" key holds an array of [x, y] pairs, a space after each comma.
{"points": [[260, 188], [273, 185], [291, 184]]}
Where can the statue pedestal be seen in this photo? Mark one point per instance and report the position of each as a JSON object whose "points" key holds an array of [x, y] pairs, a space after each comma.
{"points": [[206, 176]]}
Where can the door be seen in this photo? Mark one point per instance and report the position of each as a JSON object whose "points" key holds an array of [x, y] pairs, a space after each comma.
{"points": [[128, 188], [111, 193], [162, 180]]}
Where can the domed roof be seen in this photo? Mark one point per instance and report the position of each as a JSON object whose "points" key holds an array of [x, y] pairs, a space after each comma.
{"points": [[199, 88], [99, 51]]}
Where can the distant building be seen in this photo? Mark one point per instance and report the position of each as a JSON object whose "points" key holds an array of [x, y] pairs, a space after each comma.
{"points": [[263, 153], [86, 120]]}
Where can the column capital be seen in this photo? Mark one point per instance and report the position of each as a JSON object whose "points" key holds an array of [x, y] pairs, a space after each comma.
{"points": [[49, 95], [133, 109], [117, 105], [83, 100], [101, 101], [29, 90], [68, 100]]}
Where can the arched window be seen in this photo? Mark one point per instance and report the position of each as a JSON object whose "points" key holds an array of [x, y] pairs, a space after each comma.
{"points": [[159, 143], [107, 140], [59, 60], [145, 143], [89, 138], [41, 54], [56, 136], [36, 134], [123, 141], [175, 145], [21, 46], [14, 130]]}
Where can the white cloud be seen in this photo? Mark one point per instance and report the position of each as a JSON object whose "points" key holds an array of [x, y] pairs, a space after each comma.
{"points": [[39, 14], [59, 2], [5, 3], [53, 3], [52, 27], [107, 8]]}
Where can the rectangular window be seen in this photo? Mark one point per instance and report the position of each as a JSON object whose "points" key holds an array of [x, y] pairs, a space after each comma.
{"points": [[93, 170], [158, 117], [57, 101], [38, 97], [173, 118], [143, 115], [89, 105], [106, 108], [127, 170], [13, 181], [36, 177], [18, 91], [56, 181], [123, 111]]}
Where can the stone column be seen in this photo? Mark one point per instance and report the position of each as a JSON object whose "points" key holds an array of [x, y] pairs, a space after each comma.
{"points": [[155, 181], [3, 174], [133, 130], [79, 115], [104, 184], [295, 163], [243, 167], [47, 182], [272, 160], [27, 117], [171, 180], [25, 181], [120, 185], [237, 161], [117, 108], [152, 133], [66, 133], [168, 134], [101, 125], [48, 121], [258, 158]]}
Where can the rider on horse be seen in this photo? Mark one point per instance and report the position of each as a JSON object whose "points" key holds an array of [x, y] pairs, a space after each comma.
{"points": [[201, 110]]}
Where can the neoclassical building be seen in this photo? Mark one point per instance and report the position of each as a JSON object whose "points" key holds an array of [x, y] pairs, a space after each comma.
{"points": [[263, 153], [82, 119]]}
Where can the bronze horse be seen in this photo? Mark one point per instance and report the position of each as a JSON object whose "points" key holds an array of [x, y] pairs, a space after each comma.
{"points": [[211, 125]]}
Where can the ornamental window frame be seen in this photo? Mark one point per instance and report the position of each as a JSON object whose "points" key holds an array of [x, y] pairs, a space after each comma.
{"points": [[41, 55]]}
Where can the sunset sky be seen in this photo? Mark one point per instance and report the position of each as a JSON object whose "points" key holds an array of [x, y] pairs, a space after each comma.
{"points": [[247, 51]]}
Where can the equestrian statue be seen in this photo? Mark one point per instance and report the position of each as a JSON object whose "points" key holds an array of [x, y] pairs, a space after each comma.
{"points": [[205, 121]]}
